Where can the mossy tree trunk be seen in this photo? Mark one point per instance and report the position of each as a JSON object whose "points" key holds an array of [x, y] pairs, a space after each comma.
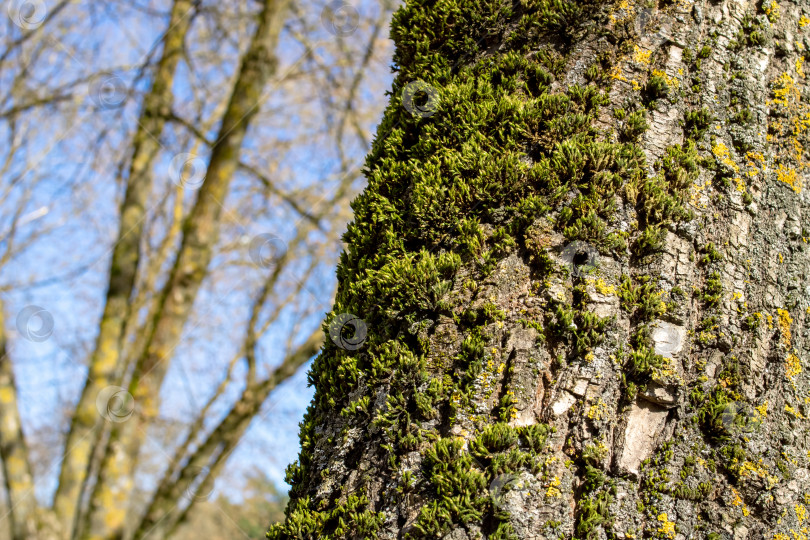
{"points": [[577, 282]]}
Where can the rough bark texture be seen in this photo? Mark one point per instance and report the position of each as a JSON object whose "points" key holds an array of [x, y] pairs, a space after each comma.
{"points": [[583, 270]]}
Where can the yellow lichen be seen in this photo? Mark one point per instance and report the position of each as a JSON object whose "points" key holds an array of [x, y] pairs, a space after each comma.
{"points": [[785, 320], [803, 21], [720, 150], [553, 490], [603, 288], [794, 412], [771, 9], [793, 365], [788, 176], [737, 501], [598, 410], [784, 89], [626, 6], [672, 82], [667, 527], [641, 56]]}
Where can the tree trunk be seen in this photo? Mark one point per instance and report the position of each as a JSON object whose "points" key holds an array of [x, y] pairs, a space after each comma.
{"points": [[111, 495], [14, 455], [86, 430], [574, 294]]}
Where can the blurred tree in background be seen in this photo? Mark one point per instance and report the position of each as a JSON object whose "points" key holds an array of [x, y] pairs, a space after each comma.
{"points": [[174, 180], [225, 519]]}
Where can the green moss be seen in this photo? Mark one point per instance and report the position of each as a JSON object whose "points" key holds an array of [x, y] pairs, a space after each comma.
{"points": [[696, 123], [642, 364], [743, 117], [635, 125], [717, 414], [593, 505], [641, 299], [583, 329], [343, 521], [710, 254], [655, 89], [750, 34], [713, 291], [500, 150]]}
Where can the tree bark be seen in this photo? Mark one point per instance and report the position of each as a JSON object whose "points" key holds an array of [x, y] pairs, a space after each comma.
{"points": [[574, 297], [14, 451], [85, 430], [110, 498]]}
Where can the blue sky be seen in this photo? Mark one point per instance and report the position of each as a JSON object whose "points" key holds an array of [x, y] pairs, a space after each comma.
{"points": [[71, 155]]}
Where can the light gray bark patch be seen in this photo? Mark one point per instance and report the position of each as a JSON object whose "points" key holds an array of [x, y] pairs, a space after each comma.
{"points": [[645, 421]]}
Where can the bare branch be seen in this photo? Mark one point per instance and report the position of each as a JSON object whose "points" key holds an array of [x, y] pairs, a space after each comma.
{"points": [[200, 233], [13, 451], [84, 434], [163, 514]]}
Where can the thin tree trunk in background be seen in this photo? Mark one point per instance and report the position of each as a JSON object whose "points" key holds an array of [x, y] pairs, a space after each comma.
{"points": [[13, 451], [86, 426], [167, 510], [582, 274], [113, 489]]}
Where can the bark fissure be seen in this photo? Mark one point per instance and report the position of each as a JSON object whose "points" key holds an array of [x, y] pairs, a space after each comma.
{"points": [[581, 264]]}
